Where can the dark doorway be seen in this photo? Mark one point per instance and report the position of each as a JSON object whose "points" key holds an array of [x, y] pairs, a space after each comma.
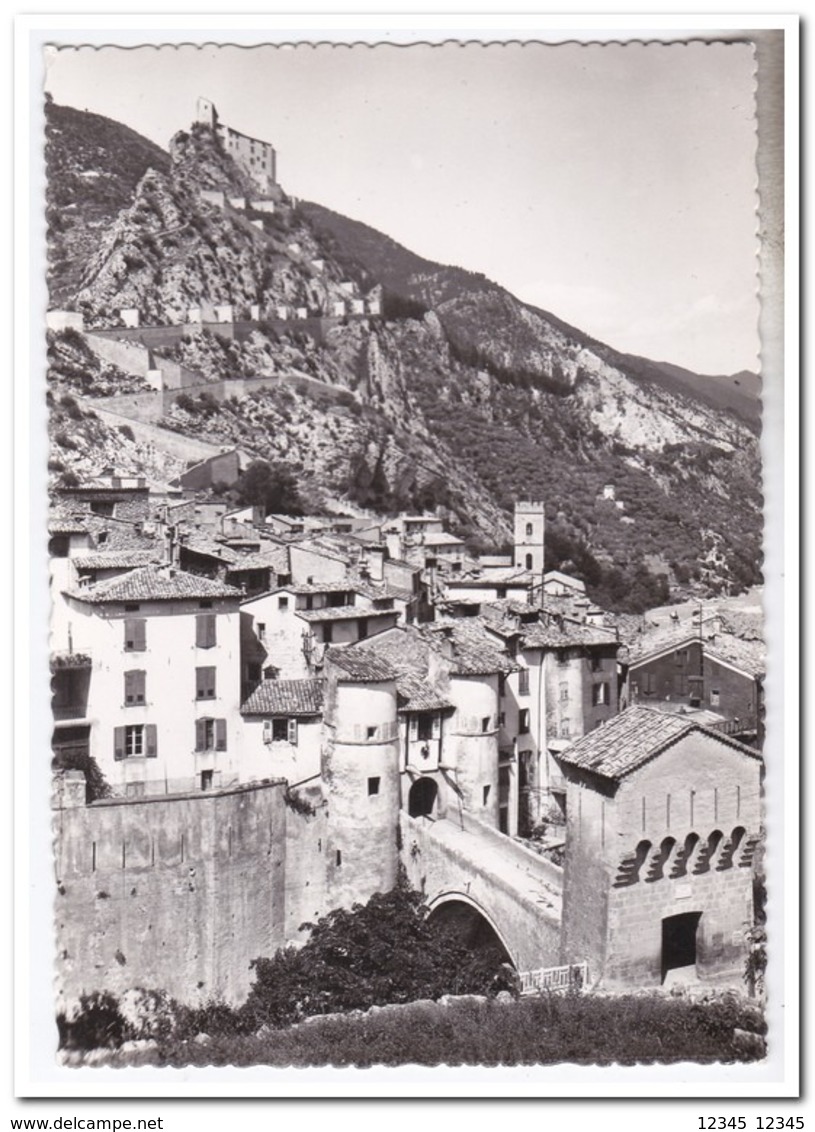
{"points": [[679, 941], [503, 798], [422, 798]]}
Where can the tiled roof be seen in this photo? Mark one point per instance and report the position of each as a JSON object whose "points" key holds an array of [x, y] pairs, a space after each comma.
{"points": [[559, 633], [629, 740], [408, 654], [746, 655], [154, 583], [120, 559], [342, 613], [440, 538], [286, 697], [416, 694], [511, 576], [359, 665], [200, 544], [64, 525], [474, 651]]}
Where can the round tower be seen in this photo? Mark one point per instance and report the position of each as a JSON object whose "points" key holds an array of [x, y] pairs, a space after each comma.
{"points": [[530, 521], [360, 767]]}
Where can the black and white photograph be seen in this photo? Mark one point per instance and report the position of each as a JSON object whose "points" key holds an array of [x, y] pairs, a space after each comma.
{"points": [[411, 702]]}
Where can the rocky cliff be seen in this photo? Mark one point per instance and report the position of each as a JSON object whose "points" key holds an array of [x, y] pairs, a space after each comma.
{"points": [[459, 396]]}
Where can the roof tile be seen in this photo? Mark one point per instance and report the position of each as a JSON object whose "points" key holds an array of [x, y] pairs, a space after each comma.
{"points": [[286, 697], [154, 583]]}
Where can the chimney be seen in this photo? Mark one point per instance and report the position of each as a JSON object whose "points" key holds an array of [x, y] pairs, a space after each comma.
{"points": [[169, 545]]}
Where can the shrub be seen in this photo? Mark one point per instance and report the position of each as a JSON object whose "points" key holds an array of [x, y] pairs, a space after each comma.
{"points": [[185, 402], [127, 432], [96, 1024]]}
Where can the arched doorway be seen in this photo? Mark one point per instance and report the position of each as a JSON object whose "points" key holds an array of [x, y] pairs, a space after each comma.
{"points": [[422, 798]]}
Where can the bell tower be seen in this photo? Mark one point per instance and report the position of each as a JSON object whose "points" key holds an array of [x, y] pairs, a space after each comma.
{"points": [[530, 520]]}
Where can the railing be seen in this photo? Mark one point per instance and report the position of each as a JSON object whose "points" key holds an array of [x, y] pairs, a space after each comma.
{"points": [[574, 976]]}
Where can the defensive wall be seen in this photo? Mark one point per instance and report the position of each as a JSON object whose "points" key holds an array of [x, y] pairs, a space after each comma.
{"points": [[178, 893], [135, 357], [316, 326]]}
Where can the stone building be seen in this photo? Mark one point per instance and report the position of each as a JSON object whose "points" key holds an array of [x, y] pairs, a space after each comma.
{"points": [[663, 819], [256, 158]]}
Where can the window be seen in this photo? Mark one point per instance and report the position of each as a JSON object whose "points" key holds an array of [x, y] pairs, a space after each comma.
{"points": [[485, 794], [362, 628], [600, 694], [134, 741], [500, 592], [523, 682], [373, 786], [649, 683], [681, 658], [424, 725], [529, 561], [261, 630], [135, 634], [485, 723], [134, 790], [370, 732], [281, 729], [205, 683], [101, 538], [282, 603], [135, 687], [328, 633], [338, 857], [595, 663], [210, 734], [103, 507], [502, 719], [564, 729], [714, 697], [205, 630], [680, 684], [528, 530], [206, 779], [523, 721], [564, 693]]}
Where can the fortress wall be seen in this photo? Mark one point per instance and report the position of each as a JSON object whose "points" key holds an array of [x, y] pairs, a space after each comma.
{"points": [[178, 894]]}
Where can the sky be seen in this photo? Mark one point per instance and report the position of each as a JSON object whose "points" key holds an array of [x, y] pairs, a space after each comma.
{"points": [[613, 185]]}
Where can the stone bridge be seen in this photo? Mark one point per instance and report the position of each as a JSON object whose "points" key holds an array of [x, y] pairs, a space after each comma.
{"points": [[488, 885]]}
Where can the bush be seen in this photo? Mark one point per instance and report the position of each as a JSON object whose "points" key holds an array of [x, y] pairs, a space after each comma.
{"points": [[98, 1023], [127, 432], [185, 402]]}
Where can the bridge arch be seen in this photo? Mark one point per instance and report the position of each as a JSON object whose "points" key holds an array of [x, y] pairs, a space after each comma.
{"points": [[472, 921]]}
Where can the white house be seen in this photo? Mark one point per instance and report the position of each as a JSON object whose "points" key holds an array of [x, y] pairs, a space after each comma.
{"points": [[163, 649]]}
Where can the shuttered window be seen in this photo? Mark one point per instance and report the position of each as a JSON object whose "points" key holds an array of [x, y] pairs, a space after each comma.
{"points": [[151, 741], [205, 683], [135, 686], [523, 682], [210, 735], [135, 740], [220, 734], [135, 635], [205, 630]]}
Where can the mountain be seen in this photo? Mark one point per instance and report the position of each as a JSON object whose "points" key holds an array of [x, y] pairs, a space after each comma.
{"points": [[461, 396]]}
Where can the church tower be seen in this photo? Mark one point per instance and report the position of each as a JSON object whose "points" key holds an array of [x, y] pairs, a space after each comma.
{"points": [[530, 520]]}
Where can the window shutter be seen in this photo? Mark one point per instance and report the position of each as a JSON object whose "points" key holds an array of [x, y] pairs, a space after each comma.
{"points": [[292, 731], [200, 735], [436, 726], [204, 683], [205, 630], [267, 731], [414, 727], [135, 687], [220, 734], [152, 741], [118, 743], [135, 636]]}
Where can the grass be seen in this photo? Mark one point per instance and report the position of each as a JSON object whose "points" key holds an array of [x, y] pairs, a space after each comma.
{"points": [[546, 1030]]}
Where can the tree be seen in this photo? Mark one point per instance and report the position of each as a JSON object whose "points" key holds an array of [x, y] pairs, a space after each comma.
{"points": [[271, 486], [385, 951]]}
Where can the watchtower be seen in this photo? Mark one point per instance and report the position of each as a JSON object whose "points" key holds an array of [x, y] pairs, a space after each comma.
{"points": [[205, 113]]}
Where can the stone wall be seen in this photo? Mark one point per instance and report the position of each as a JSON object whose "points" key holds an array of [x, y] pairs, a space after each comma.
{"points": [[174, 893]]}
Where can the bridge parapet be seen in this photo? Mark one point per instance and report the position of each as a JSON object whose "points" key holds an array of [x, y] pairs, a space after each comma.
{"points": [[512, 888]]}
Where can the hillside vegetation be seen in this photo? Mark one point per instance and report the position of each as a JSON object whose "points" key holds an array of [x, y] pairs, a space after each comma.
{"points": [[460, 397]]}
